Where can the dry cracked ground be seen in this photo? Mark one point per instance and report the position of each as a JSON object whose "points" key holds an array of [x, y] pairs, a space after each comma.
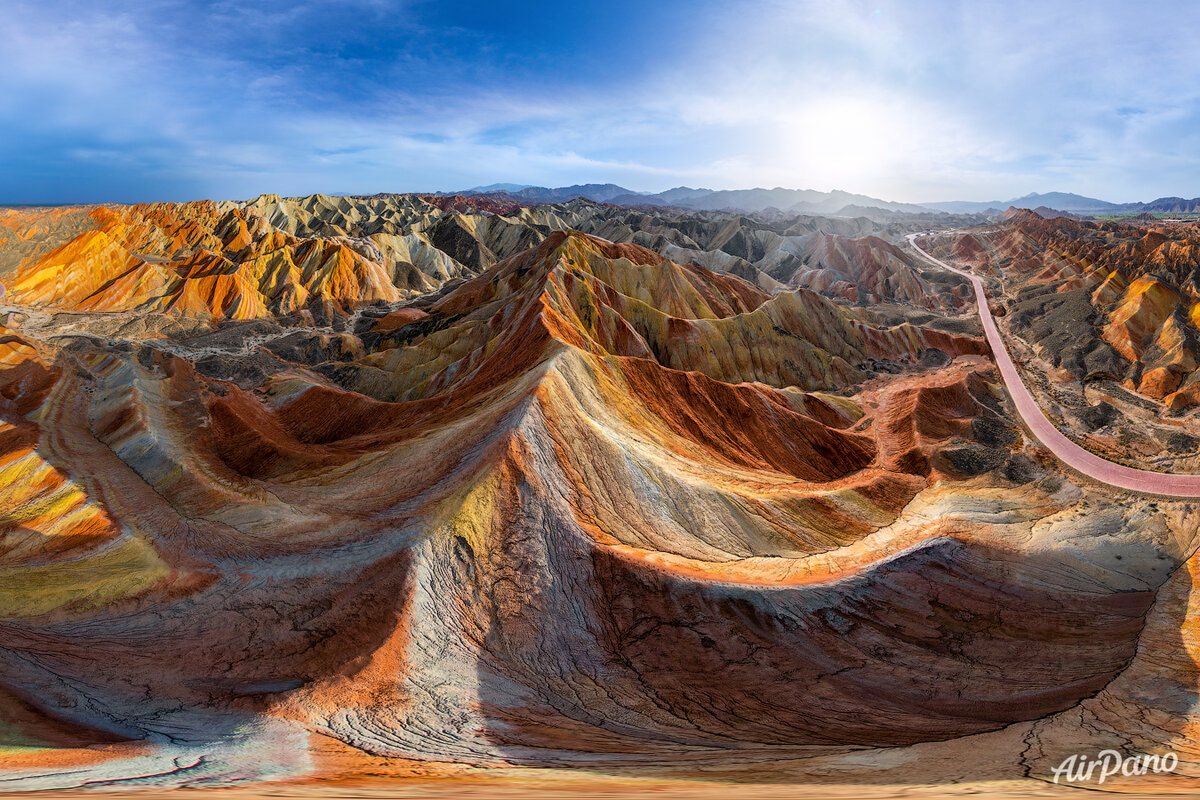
{"points": [[412, 496]]}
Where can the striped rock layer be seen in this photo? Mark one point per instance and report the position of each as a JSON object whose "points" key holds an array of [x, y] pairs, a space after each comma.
{"points": [[586, 506]]}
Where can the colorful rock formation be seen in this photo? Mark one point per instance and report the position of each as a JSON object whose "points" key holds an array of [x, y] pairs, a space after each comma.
{"points": [[576, 504], [1141, 281]]}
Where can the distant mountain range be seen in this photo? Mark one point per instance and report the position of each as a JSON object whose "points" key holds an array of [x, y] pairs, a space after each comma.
{"points": [[1064, 201], [810, 201], [1060, 201], [800, 201], [494, 187]]}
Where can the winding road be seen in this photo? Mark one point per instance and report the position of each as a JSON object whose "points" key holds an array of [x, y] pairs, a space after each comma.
{"points": [[1071, 454]]}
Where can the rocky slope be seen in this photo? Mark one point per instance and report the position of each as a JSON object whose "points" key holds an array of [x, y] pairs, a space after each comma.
{"points": [[271, 511], [321, 255], [1105, 301]]}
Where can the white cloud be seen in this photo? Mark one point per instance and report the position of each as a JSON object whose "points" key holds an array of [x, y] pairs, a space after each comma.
{"points": [[914, 101]]}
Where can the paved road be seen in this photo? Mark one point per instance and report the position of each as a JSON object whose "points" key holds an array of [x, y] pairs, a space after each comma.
{"points": [[1068, 452]]}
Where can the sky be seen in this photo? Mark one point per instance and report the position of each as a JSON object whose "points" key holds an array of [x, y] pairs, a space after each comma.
{"points": [[150, 100]]}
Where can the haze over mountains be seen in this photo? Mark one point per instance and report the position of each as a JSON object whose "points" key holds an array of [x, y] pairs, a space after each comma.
{"points": [[1065, 201], [810, 201], [801, 201]]}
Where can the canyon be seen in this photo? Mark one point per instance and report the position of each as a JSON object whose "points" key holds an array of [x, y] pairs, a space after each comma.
{"points": [[320, 491]]}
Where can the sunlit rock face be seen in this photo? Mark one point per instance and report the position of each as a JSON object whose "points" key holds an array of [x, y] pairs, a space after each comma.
{"points": [[1128, 289], [445, 484]]}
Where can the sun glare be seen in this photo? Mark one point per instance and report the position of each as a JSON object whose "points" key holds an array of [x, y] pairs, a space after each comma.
{"points": [[841, 140]]}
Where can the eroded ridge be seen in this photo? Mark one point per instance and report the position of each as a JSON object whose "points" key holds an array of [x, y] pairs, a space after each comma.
{"points": [[583, 505]]}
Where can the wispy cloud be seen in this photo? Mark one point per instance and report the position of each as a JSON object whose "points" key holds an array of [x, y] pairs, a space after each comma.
{"points": [[159, 99]]}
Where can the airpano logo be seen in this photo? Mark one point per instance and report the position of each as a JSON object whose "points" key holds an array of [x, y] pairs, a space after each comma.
{"points": [[1107, 763]]}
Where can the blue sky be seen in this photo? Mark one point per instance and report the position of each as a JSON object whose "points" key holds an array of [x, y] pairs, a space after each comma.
{"points": [[915, 101]]}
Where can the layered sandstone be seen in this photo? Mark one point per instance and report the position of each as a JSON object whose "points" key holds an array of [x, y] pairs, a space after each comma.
{"points": [[577, 504]]}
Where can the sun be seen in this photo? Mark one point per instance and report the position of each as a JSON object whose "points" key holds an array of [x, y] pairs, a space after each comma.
{"points": [[844, 141]]}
